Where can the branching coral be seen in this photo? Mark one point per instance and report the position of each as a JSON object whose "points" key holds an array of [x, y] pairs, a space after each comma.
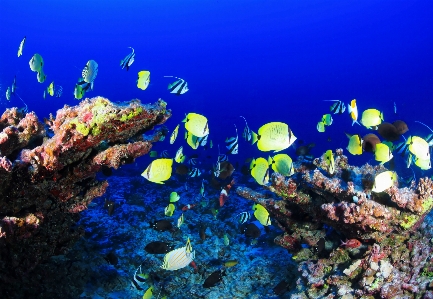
{"points": [[52, 179]]}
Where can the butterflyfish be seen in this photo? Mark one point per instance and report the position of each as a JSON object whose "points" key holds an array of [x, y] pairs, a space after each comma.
{"points": [[191, 140], [328, 157], [179, 258], [353, 111], [90, 71], [174, 196], [180, 157], [232, 144], [261, 214], [50, 89], [169, 210], [128, 60], [149, 293], [247, 134], [338, 107], [143, 80], [21, 47], [282, 163], [382, 153], [371, 118], [36, 63], [384, 181], [355, 144], [260, 170], [275, 136], [196, 124], [174, 134], [158, 171], [327, 119], [178, 87], [423, 164], [320, 126], [79, 92], [418, 147]]}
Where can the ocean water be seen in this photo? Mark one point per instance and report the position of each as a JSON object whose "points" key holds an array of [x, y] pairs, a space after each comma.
{"points": [[264, 60]]}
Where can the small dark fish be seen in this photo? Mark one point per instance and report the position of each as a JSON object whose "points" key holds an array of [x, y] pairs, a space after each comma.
{"points": [[109, 205], [304, 149], [182, 169], [161, 225], [214, 278], [202, 232], [158, 247], [319, 246], [111, 258], [281, 288], [226, 170], [245, 170], [251, 230], [369, 143], [388, 131]]}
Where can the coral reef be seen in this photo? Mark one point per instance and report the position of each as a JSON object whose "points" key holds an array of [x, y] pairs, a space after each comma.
{"points": [[388, 252], [45, 181]]}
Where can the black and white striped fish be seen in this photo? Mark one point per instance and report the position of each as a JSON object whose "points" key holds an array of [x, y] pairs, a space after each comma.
{"points": [[194, 172], [244, 217], [193, 161], [232, 144], [90, 71], [178, 87], [217, 170], [338, 107], [247, 134], [222, 158], [139, 279], [58, 91], [129, 59]]}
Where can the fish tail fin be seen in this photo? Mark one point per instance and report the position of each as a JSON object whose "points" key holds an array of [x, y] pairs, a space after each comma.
{"points": [[254, 138], [355, 122]]}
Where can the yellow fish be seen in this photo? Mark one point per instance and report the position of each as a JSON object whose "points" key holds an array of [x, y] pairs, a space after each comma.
{"points": [[327, 119], [320, 127], [192, 140], [275, 136], [419, 147], [282, 164], [21, 47], [328, 157], [143, 79], [174, 197], [353, 111], [149, 293], [423, 164], [384, 181], [382, 153], [159, 170], [355, 144], [169, 210], [260, 170], [50, 89], [196, 124], [261, 214], [180, 157], [371, 118], [174, 135]]}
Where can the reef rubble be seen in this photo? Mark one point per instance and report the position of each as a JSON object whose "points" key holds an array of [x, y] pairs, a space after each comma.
{"points": [[388, 248], [48, 174]]}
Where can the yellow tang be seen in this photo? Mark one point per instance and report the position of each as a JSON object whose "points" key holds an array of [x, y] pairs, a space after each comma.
{"points": [[261, 214], [174, 196], [196, 124], [282, 164], [384, 181], [260, 170], [20, 49], [355, 144], [143, 79], [149, 293], [174, 134], [423, 164], [382, 153], [320, 127], [192, 140], [36, 63], [327, 119], [41, 76], [169, 210], [371, 118], [419, 147], [275, 136], [159, 170], [50, 89], [328, 157]]}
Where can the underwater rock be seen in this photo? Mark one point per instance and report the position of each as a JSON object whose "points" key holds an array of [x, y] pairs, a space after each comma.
{"points": [[53, 179]]}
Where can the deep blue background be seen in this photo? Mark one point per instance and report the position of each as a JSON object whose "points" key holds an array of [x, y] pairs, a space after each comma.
{"points": [[265, 60]]}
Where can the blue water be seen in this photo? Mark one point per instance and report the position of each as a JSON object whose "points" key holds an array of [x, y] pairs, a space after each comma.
{"points": [[265, 60]]}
